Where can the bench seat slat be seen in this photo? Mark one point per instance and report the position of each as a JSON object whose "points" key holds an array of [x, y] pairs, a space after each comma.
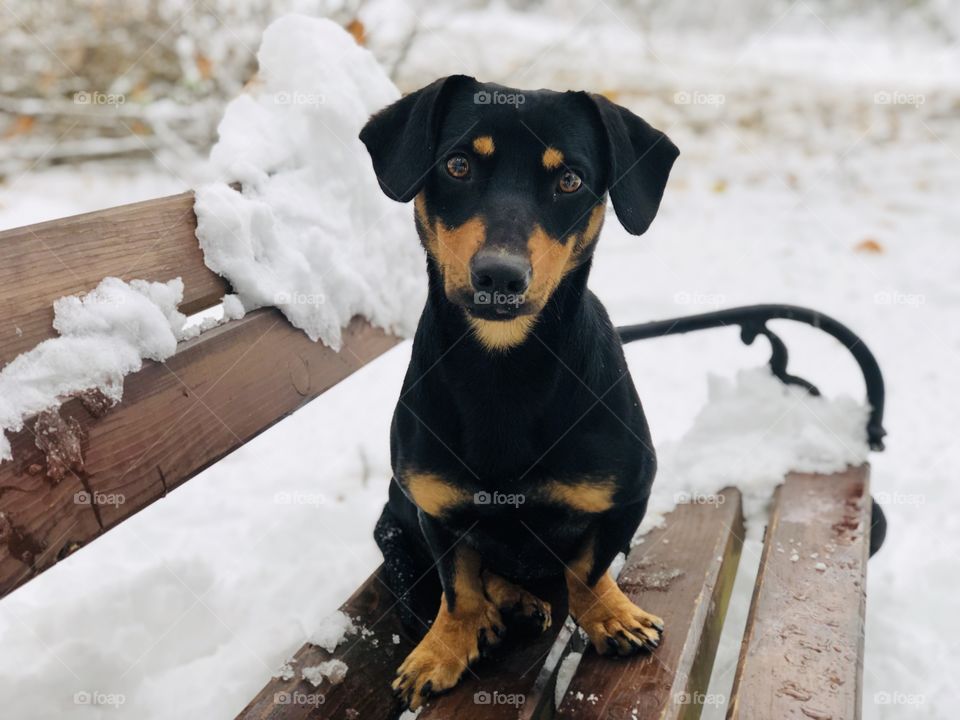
{"points": [[513, 683], [802, 652], [687, 580], [373, 657], [151, 240], [219, 391], [683, 572]]}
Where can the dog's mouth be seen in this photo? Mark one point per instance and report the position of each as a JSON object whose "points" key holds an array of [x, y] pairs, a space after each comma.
{"points": [[492, 306], [495, 306], [486, 312]]}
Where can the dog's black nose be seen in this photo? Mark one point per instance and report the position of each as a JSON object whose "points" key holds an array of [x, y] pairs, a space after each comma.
{"points": [[493, 272]]}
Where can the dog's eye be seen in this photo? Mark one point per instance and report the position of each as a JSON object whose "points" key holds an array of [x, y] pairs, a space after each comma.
{"points": [[458, 166], [570, 181]]}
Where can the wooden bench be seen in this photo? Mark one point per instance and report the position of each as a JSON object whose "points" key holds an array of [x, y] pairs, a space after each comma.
{"points": [[802, 649]]}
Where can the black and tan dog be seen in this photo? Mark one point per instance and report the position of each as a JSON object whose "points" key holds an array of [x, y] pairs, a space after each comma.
{"points": [[519, 447]]}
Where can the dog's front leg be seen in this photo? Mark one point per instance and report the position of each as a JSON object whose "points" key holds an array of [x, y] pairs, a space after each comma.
{"points": [[613, 623], [466, 624]]}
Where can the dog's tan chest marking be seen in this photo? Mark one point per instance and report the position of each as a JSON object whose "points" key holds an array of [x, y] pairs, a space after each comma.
{"points": [[501, 334], [484, 145], [433, 494]]}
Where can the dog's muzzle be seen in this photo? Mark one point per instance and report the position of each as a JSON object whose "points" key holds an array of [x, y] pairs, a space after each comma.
{"points": [[499, 282]]}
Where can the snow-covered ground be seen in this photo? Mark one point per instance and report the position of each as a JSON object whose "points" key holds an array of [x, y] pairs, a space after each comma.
{"points": [[820, 166]]}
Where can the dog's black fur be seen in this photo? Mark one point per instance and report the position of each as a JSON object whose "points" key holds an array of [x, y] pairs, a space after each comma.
{"points": [[554, 405]]}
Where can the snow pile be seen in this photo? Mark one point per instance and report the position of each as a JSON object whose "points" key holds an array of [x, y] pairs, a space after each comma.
{"points": [[335, 670], [332, 630], [750, 434], [311, 233], [285, 671], [104, 335], [568, 667], [233, 308]]}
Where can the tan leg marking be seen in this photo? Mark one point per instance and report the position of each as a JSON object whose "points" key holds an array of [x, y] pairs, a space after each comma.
{"points": [[613, 623], [456, 638], [516, 603]]}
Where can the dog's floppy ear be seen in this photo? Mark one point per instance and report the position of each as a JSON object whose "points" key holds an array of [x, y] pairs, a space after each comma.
{"points": [[401, 139], [640, 158]]}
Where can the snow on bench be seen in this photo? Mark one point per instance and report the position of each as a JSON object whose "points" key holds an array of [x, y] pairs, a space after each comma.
{"points": [[151, 240]]}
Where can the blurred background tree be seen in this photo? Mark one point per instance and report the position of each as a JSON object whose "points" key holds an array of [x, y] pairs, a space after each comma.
{"points": [[89, 79]]}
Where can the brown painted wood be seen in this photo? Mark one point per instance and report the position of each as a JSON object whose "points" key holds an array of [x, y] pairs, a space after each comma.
{"points": [[513, 683], [802, 652], [683, 579], [373, 658], [176, 418], [151, 240], [371, 655], [683, 572]]}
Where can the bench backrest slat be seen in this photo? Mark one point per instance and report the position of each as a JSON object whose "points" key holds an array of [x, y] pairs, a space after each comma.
{"points": [[81, 470], [151, 240]]}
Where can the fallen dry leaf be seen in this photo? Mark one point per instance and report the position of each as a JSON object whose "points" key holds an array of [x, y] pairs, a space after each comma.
{"points": [[869, 245], [359, 32], [21, 126]]}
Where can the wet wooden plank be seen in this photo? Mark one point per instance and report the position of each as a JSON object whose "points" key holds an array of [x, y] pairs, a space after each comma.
{"points": [[515, 682], [372, 655], [518, 681], [802, 652], [684, 573], [151, 240], [219, 391]]}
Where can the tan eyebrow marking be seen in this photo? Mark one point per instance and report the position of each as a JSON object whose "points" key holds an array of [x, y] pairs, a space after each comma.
{"points": [[590, 496], [483, 145], [435, 495], [552, 158]]}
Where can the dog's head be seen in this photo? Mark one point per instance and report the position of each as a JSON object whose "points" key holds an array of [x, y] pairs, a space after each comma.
{"points": [[511, 187]]}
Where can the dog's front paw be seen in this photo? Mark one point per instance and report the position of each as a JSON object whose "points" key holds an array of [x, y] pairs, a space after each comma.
{"points": [[453, 642], [616, 626], [517, 605]]}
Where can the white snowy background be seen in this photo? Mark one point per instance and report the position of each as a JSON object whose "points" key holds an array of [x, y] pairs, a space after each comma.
{"points": [[820, 166]]}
